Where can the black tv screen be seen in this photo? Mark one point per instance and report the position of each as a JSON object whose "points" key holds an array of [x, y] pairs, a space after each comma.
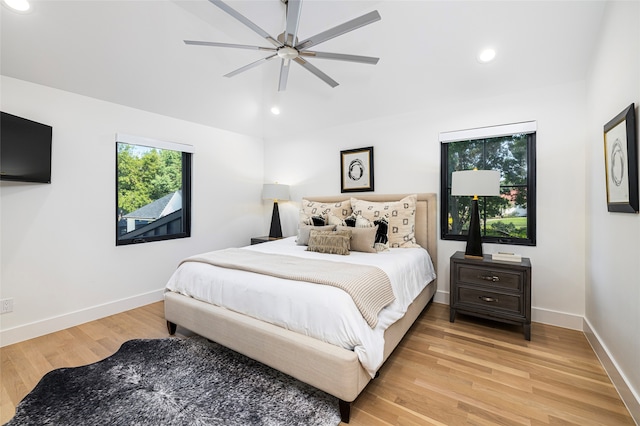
{"points": [[25, 150]]}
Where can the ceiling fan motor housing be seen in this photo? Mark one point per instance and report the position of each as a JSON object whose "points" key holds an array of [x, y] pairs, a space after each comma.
{"points": [[287, 47]]}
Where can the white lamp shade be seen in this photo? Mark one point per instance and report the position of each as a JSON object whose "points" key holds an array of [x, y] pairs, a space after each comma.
{"points": [[275, 191], [475, 182]]}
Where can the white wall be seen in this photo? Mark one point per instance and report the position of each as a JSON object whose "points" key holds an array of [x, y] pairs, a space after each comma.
{"points": [[407, 159], [59, 261], [613, 239]]}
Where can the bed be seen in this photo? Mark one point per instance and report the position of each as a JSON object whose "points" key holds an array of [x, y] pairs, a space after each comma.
{"points": [[327, 366]]}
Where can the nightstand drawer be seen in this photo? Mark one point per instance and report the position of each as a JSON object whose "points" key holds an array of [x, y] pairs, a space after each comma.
{"points": [[487, 299], [490, 277], [486, 288]]}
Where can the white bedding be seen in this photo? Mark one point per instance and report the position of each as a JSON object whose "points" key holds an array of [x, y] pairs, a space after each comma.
{"points": [[323, 312]]}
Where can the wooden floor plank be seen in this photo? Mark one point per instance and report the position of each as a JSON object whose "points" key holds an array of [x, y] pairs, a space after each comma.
{"points": [[470, 372]]}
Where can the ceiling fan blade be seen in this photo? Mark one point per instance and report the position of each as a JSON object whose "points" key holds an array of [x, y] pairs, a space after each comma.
{"points": [[341, 57], [284, 75], [322, 76], [293, 18], [251, 65], [237, 46], [231, 11], [351, 25]]}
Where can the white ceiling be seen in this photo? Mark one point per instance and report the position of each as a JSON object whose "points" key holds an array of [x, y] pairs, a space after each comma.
{"points": [[132, 53]]}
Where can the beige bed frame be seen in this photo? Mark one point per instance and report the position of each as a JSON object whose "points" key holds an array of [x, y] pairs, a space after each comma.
{"points": [[330, 368]]}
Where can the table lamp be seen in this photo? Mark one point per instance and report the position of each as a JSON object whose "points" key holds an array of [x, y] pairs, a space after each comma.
{"points": [[275, 192], [475, 183]]}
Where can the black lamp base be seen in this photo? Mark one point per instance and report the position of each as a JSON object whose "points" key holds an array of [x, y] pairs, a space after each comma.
{"points": [[474, 241], [276, 227]]}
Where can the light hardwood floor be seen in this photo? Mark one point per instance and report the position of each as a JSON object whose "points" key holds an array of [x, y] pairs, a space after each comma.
{"points": [[468, 372]]}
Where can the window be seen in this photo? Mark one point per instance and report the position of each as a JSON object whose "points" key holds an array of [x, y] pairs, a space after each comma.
{"points": [[153, 190], [511, 149]]}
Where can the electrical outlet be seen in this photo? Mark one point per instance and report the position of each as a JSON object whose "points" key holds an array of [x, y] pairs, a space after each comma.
{"points": [[6, 305]]}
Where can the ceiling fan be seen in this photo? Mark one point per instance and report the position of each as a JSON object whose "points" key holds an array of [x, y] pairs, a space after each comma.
{"points": [[288, 48]]}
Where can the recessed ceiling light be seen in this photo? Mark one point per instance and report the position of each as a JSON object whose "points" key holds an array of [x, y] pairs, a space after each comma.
{"points": [[19, 5], [487, 55], [275, 110]]}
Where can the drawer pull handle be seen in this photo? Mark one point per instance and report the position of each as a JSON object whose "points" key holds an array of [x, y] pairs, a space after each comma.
{"points": [[491, 278], [487, 299]]}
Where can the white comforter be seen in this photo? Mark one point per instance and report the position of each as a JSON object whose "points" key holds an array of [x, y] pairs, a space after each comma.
{"points": [[323, 312]]}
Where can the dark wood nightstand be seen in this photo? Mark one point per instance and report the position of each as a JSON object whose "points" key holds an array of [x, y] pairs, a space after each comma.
{"points": [[491, 289], [258, 240]]}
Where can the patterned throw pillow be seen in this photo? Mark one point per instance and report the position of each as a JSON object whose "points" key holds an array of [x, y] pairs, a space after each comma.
{"points": [[332, 219], [351, 220], [401, 216], [309, 208], [329, 242], [318, 220]]}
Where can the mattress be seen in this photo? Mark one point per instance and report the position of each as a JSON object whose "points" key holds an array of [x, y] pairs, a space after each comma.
{"points": [[322, 312]]}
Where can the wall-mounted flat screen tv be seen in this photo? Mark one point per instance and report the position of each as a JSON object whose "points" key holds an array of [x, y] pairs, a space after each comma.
{"points": [[25, 150]]}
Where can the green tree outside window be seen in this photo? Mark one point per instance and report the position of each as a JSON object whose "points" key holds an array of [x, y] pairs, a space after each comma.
{"points": [[152, 193], [509, 218]]}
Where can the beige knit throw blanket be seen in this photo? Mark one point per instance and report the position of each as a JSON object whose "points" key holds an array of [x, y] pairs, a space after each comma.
{"points": [[368, 286]]}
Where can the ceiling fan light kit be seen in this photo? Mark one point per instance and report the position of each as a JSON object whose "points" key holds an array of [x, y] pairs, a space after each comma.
{"points": [[286, 45], [286, 52]]}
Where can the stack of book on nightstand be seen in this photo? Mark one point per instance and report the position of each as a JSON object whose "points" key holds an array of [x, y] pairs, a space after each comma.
{"points": [[506, 257]]}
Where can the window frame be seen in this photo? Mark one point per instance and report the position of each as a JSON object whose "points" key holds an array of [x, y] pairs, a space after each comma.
{"points": [[482, 134], [187, 152]]}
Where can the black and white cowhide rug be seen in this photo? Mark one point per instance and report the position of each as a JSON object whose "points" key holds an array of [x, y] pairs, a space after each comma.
{"points": [[174, 382]]}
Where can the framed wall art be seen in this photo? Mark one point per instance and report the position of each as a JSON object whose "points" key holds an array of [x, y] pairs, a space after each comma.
{"points": [[621, 162], [356, 169]]}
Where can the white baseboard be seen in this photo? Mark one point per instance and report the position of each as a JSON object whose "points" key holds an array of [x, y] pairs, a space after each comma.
{"points": [[557, 318], [544, 316], [441, 297], [619, 380], [71, 319]]}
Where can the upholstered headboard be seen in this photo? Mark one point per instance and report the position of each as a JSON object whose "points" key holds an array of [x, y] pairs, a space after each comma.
{"points": [[426, 215]]}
